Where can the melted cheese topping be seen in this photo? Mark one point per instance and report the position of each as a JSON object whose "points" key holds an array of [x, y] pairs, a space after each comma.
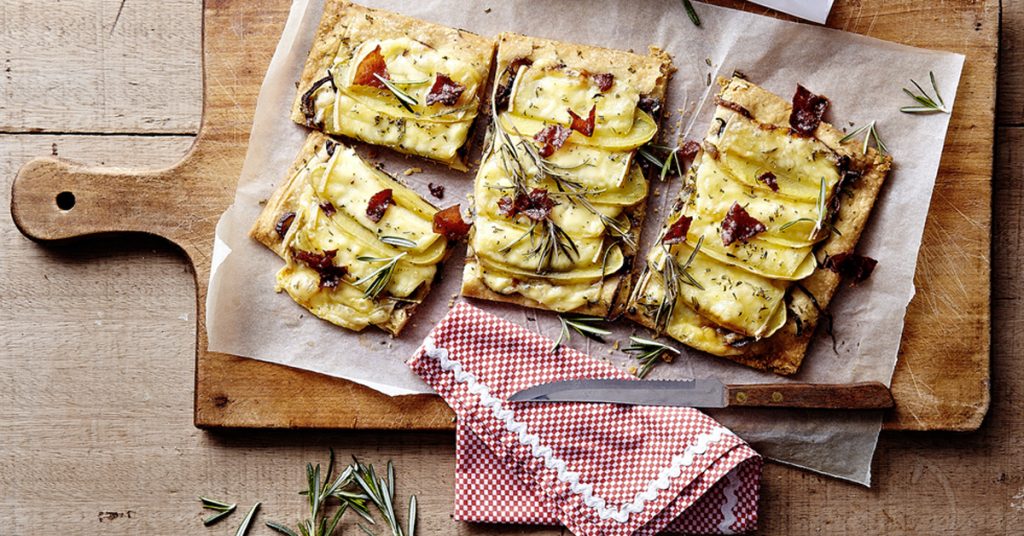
{"points": [[347, 182], [561, 262], [741, 287], [376, 116], [546, 92]]}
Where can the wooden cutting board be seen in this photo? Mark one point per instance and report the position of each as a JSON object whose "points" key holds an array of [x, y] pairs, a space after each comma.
{"points": [[941, 381]]}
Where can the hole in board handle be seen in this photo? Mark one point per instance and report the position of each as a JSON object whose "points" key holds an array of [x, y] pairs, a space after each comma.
{"points": [[65, 201]]}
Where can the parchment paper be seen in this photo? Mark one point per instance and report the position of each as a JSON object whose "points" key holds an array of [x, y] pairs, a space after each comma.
{"points": [[862, 76]]}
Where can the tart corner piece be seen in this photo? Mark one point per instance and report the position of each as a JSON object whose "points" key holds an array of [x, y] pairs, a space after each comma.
{"points": [[395, 81], [762, 209], [359, 247], [559, 199]]}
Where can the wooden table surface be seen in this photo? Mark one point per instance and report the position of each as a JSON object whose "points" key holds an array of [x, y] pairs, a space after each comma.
{"points": [[96, 339]]}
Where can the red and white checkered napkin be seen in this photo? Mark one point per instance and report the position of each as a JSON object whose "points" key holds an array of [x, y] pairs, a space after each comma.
{"points": [[598, 469]]}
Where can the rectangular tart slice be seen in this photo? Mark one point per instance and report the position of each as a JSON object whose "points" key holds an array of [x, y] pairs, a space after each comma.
{"points": [[359, 247], [395, 81], [559, 199], [742, 267]]}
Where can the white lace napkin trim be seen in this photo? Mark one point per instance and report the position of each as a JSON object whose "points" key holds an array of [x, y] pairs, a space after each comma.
{"points": [[544, 453]]}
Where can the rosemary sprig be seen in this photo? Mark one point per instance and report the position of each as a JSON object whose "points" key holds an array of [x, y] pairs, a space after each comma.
{"points": [[664, 166], [870, 133], [398, 241], [243, 529], [820, 221], [692, 13], [584, 325], [381, 492], [319, 488], [648, 353], [926, 104], [380, 277], [222, 508], [509, 152], [407, 101], [673, 276]]}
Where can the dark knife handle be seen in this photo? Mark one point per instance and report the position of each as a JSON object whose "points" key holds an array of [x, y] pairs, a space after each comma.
{"points": [[866, 395]]}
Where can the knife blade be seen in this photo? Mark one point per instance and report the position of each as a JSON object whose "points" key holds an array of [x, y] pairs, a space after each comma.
{"points": [[711, 393]]}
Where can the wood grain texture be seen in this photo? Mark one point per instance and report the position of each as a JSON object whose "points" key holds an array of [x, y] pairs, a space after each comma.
{"points": [[867, 395], [96, 378], [90, 66], [940, 383]]}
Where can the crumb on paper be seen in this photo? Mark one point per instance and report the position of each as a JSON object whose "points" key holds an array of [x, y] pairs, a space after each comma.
{"points": [[412, 170], [616, 345], [487, 10], [262, 202], [451, 301], [632, 370]]}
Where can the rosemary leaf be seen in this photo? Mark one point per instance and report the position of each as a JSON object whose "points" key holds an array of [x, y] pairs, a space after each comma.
{"points": [[243, 529], [281, 528], [926, 103], [218, 516], [648, 353], [692, 13], [411, 521], [407, 101], [378, 279], [214, 504], [398, 241]]}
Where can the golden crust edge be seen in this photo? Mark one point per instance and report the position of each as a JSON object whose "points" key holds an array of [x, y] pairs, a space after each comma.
{"points": [[619, 284], [263, 230], [783, 353], [325, 43]]}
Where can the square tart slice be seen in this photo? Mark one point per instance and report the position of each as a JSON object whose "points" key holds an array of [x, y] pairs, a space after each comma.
{"points": [[395, 81], [559, 199], [359, 247], [741, 269]]}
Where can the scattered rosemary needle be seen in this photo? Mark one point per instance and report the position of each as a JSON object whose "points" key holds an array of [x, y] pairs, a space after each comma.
{"points": [[664, 166], [584, 325], [222, 508], [870, 133], [820, 221], [380, 277], [648, 353], [381, 492], [398, 241], [925, 103], [407, 101], [243, 529], [692, 13]]}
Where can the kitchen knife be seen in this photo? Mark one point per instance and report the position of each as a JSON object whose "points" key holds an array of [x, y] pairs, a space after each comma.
{"points": [[711, 393]]}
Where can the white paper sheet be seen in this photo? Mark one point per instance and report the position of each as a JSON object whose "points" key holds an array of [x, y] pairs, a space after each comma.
{"points": [[862, 76]]}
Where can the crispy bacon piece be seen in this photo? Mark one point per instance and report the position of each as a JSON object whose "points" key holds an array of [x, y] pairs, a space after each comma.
{"points": [[379, 204], [650, 105], [739, 225], [536, 205], [689, 151], [328, 208], [449, 223], [583, 126], [436, 190], [283, 223], [604, 81], [676, 232], [372, 64], [323, 263], [551, 139], [808, 110], [504, 92], [769, 179], [445, 90], [851, 266]]}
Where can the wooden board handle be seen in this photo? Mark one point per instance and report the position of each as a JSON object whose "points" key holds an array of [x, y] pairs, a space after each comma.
{"points": [[866, 395], [54, 199]]}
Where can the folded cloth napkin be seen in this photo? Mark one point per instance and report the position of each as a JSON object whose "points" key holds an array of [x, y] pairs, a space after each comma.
{"points": [[597, 469]]}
